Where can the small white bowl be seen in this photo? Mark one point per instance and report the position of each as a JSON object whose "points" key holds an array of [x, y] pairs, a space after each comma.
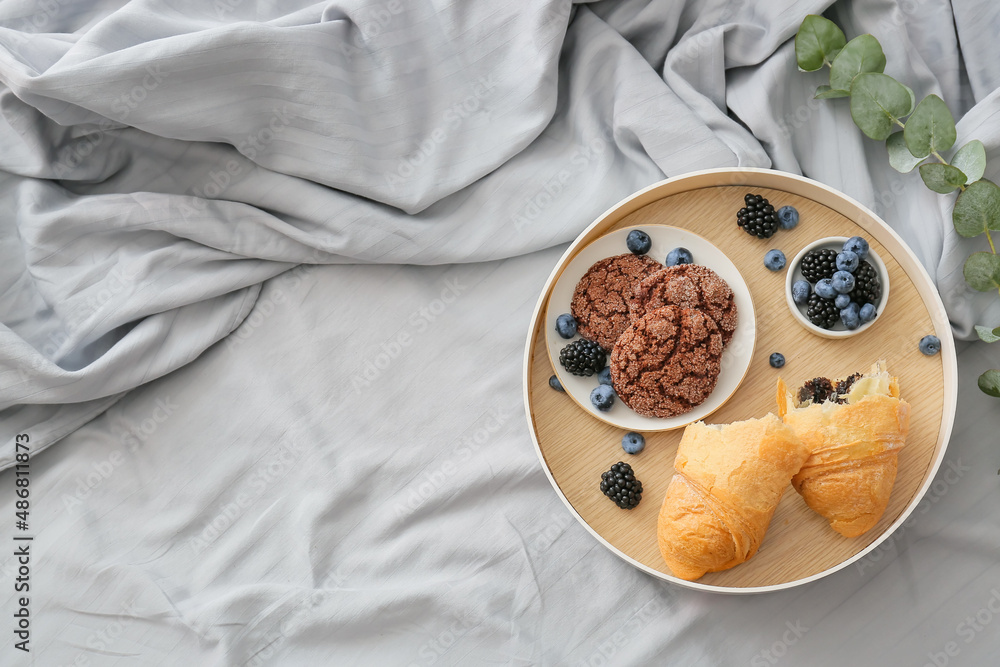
{"points": [[799, 312]]}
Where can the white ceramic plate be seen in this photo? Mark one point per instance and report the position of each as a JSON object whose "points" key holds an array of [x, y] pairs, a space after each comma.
{"points": [[735, 358]]}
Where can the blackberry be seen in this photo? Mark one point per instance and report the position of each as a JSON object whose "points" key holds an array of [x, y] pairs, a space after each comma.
{"points": [[757, 218], [583, 357], [816, 390], [621, 486], [867, 286], [822, 312], [819, 264]]}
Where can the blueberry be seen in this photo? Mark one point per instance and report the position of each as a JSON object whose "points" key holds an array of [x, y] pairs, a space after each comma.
{"points": [[858, 246], [604, 376], [850, 316], [777, 360], [848, 261], [801, 289], [867, 312], [774, 260], [930, 345], [633, 442], [566, 325], [824, 289], [679, 256], [603, 397], [555, 383], [638, 242], [843, 282], [841, 301], [788, 217]]}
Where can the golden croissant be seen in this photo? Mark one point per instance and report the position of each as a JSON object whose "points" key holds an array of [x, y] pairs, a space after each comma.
{"points": [[727, 482], [854, 430]]}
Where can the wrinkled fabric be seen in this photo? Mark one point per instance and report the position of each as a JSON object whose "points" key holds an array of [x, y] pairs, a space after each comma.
{"points": [[266, 274]]}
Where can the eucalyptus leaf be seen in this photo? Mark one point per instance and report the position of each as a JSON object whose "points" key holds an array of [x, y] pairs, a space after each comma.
{"points": [[989, 383], [817, 42], [826, 92], [913, 99], [977, 209], [988, 335], [900, 157], [877, 101], [930, 128], [862, 54], [971, 159], [942, 178], [982, 271]]}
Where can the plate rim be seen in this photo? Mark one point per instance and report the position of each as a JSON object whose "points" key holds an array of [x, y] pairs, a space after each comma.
{"points": [[826, 196], [746, 369]]}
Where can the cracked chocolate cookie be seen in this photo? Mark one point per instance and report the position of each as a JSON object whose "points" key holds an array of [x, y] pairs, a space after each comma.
{"points": [[601, 299], [687, 286], [667, 361]]}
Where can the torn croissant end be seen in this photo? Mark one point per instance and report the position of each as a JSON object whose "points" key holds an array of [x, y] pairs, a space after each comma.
{"points": [[854, 449]]}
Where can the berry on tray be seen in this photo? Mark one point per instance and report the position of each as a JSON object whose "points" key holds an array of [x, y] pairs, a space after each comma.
{"points": [[848, 261], [857, 245], [638, 242], [777, 360], [679, 256], [620, 485], [801, 289], [583, 357], [822, 312], [788, 217], [604, 377], [757, 218], [867, 312], [566, 325], [633, 442], [774, 260], [556, 384], [930, 345], [825, 289], [603, 397], [842, 301], [867, 287], [819, 264], [843, 282]]}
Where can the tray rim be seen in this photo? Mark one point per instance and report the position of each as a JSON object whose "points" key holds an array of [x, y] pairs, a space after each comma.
{"points": [[833, 199]]}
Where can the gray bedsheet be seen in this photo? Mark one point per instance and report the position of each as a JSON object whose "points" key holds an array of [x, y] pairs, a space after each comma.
{"points": [[265, 275]]}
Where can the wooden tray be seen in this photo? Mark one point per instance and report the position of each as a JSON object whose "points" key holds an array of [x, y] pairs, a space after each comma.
{"points": [[799, 547]]}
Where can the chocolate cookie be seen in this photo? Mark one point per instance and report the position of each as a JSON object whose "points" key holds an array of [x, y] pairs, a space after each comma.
{"points": [[687, 286], [667, 362], [600, 301]]}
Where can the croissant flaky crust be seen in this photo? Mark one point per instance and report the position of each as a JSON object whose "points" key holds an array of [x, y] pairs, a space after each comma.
{"points": [[727, 483], [854, 449]]}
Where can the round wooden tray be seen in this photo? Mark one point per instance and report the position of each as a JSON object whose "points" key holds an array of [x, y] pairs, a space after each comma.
{"points": [[575, 448]]}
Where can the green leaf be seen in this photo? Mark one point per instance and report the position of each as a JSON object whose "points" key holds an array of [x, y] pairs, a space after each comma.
{"points": [[817, 42], [877, 101], [989, 383], [826, 92], [977, 209], [930, 128], [982, 271], [900, 157], [862, 54], [913, 99], [971, 159], [988, 335], [941, 178]]}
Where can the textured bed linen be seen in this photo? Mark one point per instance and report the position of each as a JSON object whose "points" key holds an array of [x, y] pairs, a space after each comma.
{"points": [[278, 439]]}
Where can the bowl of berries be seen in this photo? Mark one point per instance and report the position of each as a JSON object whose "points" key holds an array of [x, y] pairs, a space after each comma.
{"points": [[837, 287]]}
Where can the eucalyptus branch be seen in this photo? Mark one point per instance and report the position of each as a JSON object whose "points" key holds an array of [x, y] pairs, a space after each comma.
{"points": [[879, 104]]}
